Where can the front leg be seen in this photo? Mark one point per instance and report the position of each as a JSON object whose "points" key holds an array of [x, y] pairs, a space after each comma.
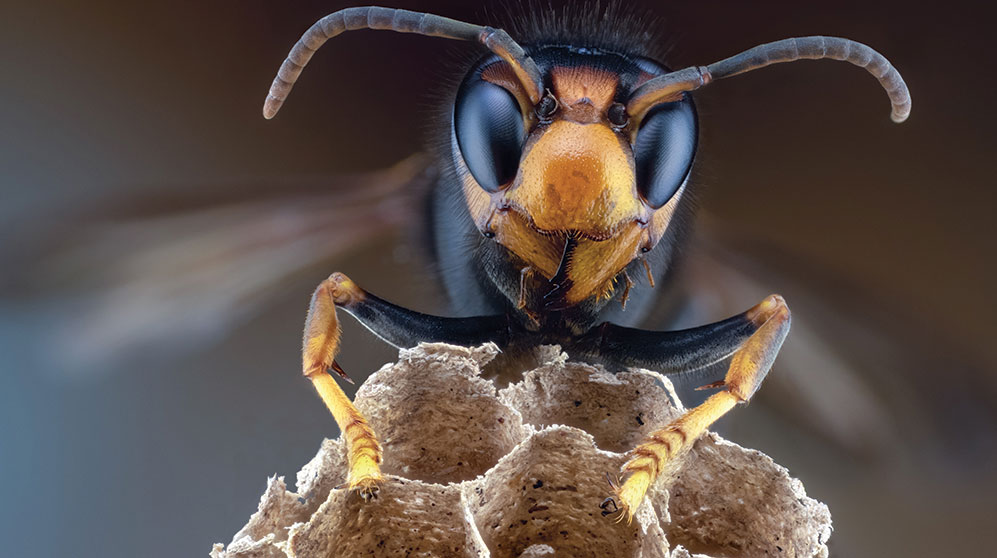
{"points": [[398, 326], [752, 360]]}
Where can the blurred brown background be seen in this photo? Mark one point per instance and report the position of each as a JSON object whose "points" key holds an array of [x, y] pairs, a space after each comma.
{"points": [[106, 104]]}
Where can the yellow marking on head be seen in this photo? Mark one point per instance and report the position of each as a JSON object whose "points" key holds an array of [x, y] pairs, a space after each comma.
{"points": [[584, 93], [479, 202], [595, 263], [541, 252], [501, 74], [662, 218], [577, 177]]}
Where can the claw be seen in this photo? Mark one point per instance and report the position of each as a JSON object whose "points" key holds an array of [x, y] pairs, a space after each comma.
{"points": [[606, 503], [614, 484], [369, 493], [368, 488], [714, 385], [339, 370]]}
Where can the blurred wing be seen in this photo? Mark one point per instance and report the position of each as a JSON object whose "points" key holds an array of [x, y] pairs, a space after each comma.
{"points": [[864, 375], [188, 276]]}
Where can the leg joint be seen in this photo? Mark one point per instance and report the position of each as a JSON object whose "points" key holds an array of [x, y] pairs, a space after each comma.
{"points": [[773, 307], [343, 290]]}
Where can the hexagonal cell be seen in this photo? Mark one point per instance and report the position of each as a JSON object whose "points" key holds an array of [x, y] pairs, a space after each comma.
{"points": [[731, 501], [408, 518], [617, 409], [544, 498], [437, 420]]}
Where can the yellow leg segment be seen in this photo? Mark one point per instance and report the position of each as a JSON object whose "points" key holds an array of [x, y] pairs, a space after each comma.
{"points": [[748, 368], [321, 343]]}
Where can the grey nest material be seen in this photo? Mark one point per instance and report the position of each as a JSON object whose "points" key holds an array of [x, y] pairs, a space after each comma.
{"points": [[473, 471]]}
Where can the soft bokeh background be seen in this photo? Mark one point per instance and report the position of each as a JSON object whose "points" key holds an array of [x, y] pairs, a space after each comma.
{"points": [[107, 105]]}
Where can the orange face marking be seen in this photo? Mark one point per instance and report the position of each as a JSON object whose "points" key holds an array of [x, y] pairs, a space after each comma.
{"points": [[577, 177]]}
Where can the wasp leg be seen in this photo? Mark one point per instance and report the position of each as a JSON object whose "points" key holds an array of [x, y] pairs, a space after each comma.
{"points": [[669, 352], [321, 343], [398, 326], [751, 362]]}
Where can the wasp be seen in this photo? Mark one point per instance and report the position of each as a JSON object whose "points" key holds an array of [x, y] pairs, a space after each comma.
{"points": [[562, 199]]}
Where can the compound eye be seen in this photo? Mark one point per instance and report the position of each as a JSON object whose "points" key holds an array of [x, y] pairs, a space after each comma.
{"points": [[490, 133], [663, 151]]}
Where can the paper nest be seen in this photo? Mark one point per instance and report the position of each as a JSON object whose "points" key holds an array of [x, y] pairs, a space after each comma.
{"points": [[473, 471]]}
